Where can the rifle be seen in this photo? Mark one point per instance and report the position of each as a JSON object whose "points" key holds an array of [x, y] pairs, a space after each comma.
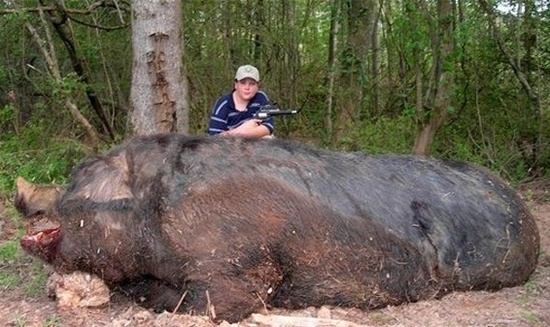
{"points": [[271, 110]]}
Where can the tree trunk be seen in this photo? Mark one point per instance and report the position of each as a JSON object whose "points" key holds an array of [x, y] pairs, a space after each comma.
{"points": [[376, 65], [332, 66], [355, 60], [159, 94], [438, 97]]}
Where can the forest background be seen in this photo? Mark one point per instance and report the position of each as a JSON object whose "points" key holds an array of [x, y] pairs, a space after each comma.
{"points": [[460, 79]]}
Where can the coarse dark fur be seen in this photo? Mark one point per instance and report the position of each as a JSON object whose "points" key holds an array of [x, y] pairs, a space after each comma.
{"points": [[230, 225]]}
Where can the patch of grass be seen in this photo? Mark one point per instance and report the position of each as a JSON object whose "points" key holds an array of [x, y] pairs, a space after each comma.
{"points": [[522, 300], [531, 287], [379, 318], [36, 158], [9, 251], [31, 277], [37, 280], [9, 280], [19, 269], [53, 321], [530, 316], [529, 195], [19, 321]]}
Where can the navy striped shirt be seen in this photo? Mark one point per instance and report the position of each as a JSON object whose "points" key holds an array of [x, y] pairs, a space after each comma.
{"points": [[224, 116]]}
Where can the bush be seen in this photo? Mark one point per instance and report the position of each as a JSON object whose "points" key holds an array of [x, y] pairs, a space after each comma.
{"points": [[384, 135], [37, 158]]}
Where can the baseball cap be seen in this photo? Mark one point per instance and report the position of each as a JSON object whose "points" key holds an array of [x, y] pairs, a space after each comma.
{"points": [[247, 71]]}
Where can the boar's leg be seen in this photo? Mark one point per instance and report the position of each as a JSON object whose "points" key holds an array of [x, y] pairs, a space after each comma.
{"points": [[150, 292], [221, 294], [232, 289]]}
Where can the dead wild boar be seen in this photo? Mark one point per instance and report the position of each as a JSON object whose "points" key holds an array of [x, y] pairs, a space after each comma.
{"points": [[224, 226]]}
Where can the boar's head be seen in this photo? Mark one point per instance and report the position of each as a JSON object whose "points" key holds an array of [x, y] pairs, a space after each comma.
{"points": [[99, 222], [37, 205]]}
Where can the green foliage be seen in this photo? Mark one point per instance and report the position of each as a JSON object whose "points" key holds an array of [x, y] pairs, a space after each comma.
{"points": [[53, 321], [6, 116], [8, 280], [530, 316], [465, 143], [18, 269], [490, 118], [382, 319], [36, 279], [9, 256], [3, 75], [531, 287], [36, 157], [8, 251], [39, 165], [384, 135], [67, 86]]}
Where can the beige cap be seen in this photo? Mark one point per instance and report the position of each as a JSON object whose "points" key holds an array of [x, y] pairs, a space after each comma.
{"points": [[247, 71]]}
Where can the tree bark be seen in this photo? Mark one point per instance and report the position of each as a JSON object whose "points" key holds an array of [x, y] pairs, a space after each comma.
{"points": [[438, 97], [159, 94], [332, 65], [359, 15]]}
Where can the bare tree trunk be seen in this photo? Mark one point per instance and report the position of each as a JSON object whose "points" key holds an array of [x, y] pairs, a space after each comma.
{"points": [[438, 96], [332, 64], [375, 57], [159, 94], [355, 62], [12, 98], [259, 23], [227, 30]]}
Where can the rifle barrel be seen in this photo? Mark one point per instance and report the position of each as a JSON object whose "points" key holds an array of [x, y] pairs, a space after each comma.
{"points": [[263, 114], [282, 112]]}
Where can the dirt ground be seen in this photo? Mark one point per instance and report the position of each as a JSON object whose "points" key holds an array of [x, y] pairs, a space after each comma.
{"points": [[526, 305]]}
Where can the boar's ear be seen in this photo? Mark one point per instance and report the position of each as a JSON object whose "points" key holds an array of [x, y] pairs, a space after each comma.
{"points": [[23, 186], [23, 191], [31, 199], [101, 180]]}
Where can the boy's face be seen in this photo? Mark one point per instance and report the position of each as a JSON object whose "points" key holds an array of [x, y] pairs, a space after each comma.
{"points": [[246, 88]]}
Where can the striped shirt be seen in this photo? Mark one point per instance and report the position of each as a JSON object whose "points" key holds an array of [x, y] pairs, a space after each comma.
{"points": [[224, 116]]}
